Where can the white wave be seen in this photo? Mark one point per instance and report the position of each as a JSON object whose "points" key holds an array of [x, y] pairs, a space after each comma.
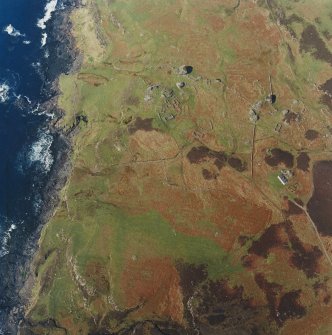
{"points": [[11, 31], [40, 152], [49, 115], [9, 81], [23, 103], [5, 238], [37, 68], [38, 111], [35, 65], [4, 92], [49, 9], [37, 203], [44, 39], [26, 42], [27, 99]]}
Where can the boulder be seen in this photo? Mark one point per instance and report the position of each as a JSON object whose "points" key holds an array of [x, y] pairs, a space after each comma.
{"points": [[185, 69], [253, 116], [181, 84]]}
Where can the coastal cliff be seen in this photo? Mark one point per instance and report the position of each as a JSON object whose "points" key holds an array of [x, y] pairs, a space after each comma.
{"points": [[41, 155]]}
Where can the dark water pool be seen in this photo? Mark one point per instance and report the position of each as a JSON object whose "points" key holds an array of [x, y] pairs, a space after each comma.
{"points": [[320, 204]]}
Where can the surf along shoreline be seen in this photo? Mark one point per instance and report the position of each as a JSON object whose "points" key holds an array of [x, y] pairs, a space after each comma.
{"points": [[63, 57]]}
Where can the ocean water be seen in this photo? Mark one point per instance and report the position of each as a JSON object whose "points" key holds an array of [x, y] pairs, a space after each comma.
{"points": [[27, 148]]}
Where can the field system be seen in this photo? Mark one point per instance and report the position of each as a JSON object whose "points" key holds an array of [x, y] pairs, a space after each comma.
{"points": [[200, 198]]}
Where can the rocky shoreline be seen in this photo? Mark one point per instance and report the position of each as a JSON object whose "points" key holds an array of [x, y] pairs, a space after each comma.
{"points": [[63, 58]]}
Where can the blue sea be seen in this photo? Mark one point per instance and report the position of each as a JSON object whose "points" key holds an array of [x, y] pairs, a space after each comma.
{"points": [[28, 65]]}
